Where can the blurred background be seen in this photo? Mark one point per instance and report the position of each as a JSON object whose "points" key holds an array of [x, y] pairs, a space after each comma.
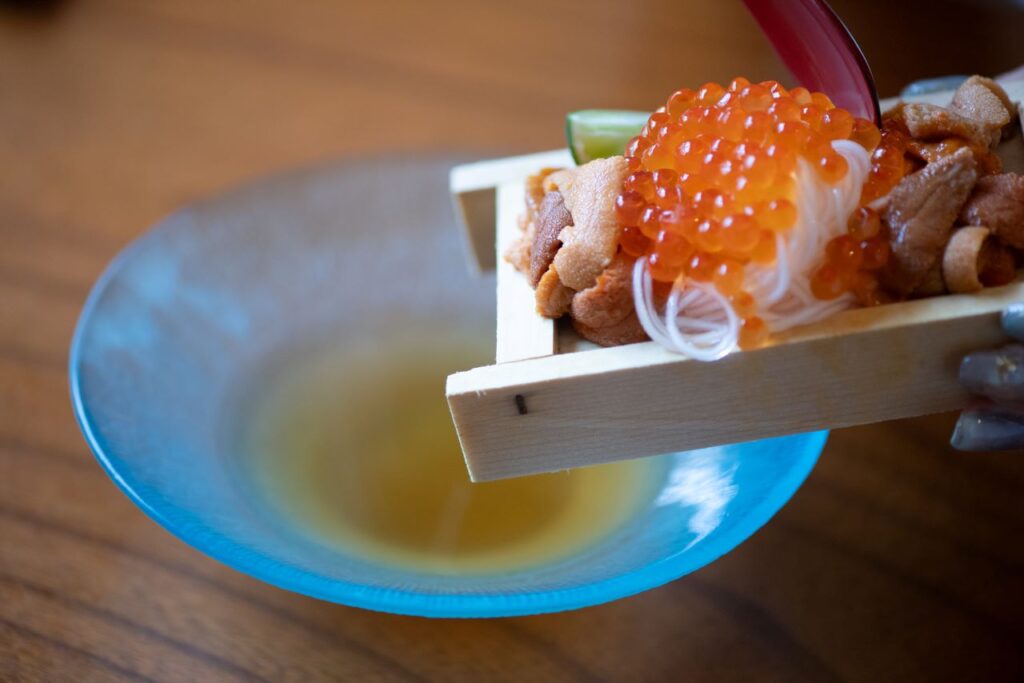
{"points": [[144, 105], [898, 559]]}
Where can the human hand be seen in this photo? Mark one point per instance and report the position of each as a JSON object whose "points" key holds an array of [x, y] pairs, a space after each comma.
{"points": [[997, 378]]}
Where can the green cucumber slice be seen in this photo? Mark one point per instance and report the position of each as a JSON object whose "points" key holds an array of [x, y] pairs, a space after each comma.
{"points": [[598, 133]]}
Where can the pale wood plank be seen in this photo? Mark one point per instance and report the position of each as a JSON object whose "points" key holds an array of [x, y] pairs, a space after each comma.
{"points": [[522, 332], [860, 366]]}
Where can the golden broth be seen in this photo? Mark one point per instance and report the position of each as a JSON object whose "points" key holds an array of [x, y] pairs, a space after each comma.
{"points": [[357, 448]]}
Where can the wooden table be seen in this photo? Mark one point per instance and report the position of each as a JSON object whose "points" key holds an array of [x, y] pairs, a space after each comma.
{"points": [[898, 560]]}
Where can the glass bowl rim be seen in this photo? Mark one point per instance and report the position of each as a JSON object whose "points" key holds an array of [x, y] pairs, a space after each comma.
{"points": [[265, 568]]}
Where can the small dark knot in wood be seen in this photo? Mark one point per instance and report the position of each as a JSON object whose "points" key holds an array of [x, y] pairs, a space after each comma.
{"points": [[521, 404]]}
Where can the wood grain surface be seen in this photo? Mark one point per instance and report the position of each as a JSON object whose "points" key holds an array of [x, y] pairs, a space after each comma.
{"points": [[520, 332], [898, 560]]}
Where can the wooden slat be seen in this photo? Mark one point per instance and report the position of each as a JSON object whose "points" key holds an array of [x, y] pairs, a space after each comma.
{"points": [[473, 186], [860, 366], [522, 332]]}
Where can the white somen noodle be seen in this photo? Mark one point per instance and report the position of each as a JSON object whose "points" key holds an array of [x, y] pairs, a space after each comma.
{"points": [[699, 322]]}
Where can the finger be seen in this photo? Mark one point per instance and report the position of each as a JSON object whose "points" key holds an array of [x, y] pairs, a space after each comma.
{"points": [[998, 428], [1013, 321], [998, 374]]}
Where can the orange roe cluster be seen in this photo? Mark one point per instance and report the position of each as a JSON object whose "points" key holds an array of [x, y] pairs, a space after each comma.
{"points": [[712, 182], [888, 163], [853, 260]]}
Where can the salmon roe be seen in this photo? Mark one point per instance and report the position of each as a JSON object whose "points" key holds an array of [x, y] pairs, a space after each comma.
{"points": [[852, 261], [711, 185]]}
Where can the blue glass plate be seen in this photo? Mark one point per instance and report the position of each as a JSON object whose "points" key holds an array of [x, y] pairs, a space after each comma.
{"points": [[189, 313]]}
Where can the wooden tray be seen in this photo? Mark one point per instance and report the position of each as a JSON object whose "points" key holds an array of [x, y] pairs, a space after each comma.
{"points": [[553, 401]]}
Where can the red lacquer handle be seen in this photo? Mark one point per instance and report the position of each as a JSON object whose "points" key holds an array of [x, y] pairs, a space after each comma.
{"points": [[820, 51]]}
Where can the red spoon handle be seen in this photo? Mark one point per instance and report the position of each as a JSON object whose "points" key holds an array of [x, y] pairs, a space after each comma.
{"points": [[819, 50]]}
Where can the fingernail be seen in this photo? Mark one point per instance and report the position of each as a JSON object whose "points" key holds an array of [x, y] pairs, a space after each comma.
{"points": [[997, 374], [988, 430], [1013, 321]]}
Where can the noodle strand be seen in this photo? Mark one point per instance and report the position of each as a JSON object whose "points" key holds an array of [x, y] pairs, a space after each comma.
{"points": [[699, 322]]}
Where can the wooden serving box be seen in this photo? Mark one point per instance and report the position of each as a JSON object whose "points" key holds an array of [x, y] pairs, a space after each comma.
{"points": [[552, 401]]}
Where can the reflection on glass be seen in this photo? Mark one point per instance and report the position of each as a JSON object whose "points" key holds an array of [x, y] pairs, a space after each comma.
{"points": [[703, 481]]}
